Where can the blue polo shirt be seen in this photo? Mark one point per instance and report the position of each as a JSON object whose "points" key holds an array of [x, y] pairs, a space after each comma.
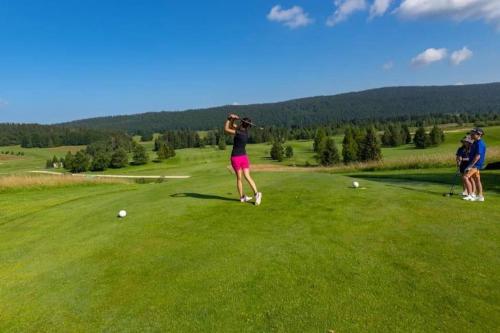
{"points": [[478, 148]]}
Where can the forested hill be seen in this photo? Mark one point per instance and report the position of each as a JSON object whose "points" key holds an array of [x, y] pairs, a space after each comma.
{"points": [[382, 103]]}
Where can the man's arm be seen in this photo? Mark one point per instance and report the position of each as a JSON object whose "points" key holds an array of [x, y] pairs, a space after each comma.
{"points": [[476, 158]]}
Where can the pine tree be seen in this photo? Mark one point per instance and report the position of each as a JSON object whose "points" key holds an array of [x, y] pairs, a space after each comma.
{"points": [[26, 142], [370, 148], [329, 154], [157, 142], [100, 162], [277, 151], [81, 162], [359, 137], [139, 155], [68, 161], [211, 138], [119, 159], [406, 134], [386, 138], [222, 142], [289, 152], [421, 138], [396, 139], [349, 147], [436, 136], [147, 137], [164, 152], [319, 140]]}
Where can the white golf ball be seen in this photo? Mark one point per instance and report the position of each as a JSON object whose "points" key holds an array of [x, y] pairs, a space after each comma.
{"points": [[355, 184], [122, 213]]}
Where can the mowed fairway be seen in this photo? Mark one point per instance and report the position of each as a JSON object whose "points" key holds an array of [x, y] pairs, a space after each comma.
{"points": [[316, 256]]}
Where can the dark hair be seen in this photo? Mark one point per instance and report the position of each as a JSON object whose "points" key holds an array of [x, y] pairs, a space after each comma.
{"points": [[246, 123]]}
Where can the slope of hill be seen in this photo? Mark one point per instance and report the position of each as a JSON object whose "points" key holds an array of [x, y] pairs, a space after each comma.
{"points": [[382, 103]]}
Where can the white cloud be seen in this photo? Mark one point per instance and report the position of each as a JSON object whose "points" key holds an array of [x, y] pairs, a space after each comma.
{"points": [[235, 104], [379, 7], [388, 65], [294, 17], [345, 8], [429, 56], [460, 56], [460, 83], [458, 10]]}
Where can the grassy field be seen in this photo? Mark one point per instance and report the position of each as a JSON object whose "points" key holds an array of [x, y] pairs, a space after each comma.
{"points": [[316, 256]]}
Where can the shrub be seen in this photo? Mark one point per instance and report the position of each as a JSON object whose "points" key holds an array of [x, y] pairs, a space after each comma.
{"points": [[139, 155], [277, 153], [421, 138], [119, 159], [436, 136], [222, 142], [100, 162], [81, 162]]}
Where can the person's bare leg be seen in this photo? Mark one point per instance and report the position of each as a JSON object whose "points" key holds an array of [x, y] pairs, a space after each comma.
{"points": [[250, 181], [468, 184], [239, 181], [479, 187]]}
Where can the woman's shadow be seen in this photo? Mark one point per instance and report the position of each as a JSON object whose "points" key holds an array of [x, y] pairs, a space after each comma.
{"points": [[201, 196]]}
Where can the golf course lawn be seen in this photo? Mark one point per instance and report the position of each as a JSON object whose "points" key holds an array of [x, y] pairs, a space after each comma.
{"points": [[317, 255]]}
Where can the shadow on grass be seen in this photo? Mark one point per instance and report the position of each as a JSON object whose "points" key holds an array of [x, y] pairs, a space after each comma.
{"points": [[201, 196], [490, 181]]}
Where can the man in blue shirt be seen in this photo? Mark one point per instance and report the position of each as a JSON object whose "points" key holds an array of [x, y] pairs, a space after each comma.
{"points": [[476, 162]]}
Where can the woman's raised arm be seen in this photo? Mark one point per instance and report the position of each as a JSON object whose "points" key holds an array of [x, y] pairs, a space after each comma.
{"points": [[229, 126]]}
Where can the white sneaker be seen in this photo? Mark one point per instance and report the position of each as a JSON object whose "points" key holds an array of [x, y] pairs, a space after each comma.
{"points": [[468, 198], [258, 198], [479, 198], [245, 199], [465, 193]]}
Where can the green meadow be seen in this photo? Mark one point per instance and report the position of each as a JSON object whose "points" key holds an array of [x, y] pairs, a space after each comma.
{"points": [[316, 256]]}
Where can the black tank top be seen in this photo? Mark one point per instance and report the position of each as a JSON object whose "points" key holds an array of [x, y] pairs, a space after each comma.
{"points": [[240, 141]]}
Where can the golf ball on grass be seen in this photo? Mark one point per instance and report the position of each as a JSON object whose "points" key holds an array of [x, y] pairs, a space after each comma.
{"points": [[355, 184], [122, 213]]}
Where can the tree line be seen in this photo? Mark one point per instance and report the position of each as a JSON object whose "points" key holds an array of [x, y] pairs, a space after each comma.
{"points": [[101, 155], [360, 144], [45, 136], [466, 103]]}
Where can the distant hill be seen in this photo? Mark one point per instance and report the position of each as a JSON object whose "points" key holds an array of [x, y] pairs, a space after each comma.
{"points": [[382, 103]]}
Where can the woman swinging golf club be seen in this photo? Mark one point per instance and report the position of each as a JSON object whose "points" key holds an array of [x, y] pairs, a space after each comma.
{"points": [[239, 158]]}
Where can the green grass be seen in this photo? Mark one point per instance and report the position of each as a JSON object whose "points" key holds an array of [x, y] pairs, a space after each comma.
{"points": [[316, 256]]}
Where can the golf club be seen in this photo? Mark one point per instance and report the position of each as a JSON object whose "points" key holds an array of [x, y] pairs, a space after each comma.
{"points": [[251, 124], [452, 189]]}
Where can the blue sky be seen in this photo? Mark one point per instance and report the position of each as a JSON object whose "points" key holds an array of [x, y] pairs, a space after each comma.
{"points": [[68, 59]]}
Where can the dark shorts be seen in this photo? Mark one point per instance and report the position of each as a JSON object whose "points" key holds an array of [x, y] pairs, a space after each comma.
{"points": [[463, 166]]}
